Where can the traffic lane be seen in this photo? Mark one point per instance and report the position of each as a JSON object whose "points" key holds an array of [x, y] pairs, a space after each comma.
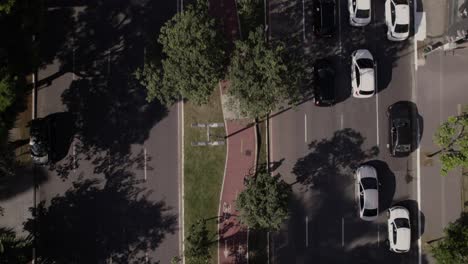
{"points": [[159, 175]]}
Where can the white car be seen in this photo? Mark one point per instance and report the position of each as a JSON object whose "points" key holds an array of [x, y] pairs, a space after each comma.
{"points": [[397, 18], [399, 229], [359, 12], [362, 74], [367, 192]]}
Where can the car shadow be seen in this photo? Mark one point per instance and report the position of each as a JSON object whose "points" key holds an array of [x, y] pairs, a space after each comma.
{"points": [[63, 125], [415, 215]]}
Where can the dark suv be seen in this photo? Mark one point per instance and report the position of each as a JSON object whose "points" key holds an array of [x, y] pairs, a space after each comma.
{"points": [[324, 77], [400, 117], [324, 17], [40, 140]]}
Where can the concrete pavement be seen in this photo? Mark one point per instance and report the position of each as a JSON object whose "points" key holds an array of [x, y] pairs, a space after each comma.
{"points": [[116, 177]]}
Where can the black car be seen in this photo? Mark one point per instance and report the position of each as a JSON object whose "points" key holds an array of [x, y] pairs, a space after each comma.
{"points": [[401, 136], [40, 140], [324, 76], [324, 17]]}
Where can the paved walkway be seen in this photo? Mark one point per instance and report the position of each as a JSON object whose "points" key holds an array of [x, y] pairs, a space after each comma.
{"points": [[241, 157]]}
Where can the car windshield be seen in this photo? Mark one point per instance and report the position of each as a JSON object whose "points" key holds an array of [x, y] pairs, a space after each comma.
{"points": [[366, 92], [370, 212], [360, 13], [399, 28], [369, 183], [402, 223], [365, 63], [358, 76], [400, 122], [400, 2]]}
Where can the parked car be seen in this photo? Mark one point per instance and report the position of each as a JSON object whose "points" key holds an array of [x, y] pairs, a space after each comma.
{"points": [[367, 191], [397, 18], [362, 74], [400, 118], [41, 134], [324, 18], [324, 76], [359, 12], [399, 229]]}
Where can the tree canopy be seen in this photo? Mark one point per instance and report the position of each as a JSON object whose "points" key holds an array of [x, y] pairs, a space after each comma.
{"points": [[198, 244], [193, 58], [6, 6], [261, 76], [452, 138], [264, 202], [453, 247], [14, 249], [7, 90]]}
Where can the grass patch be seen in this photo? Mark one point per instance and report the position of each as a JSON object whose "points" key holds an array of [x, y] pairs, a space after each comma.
{"points": [[204, 167]]}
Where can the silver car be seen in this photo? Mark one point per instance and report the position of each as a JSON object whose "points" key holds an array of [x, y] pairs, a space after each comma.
{"points": [[367, 192], [399, 229]]}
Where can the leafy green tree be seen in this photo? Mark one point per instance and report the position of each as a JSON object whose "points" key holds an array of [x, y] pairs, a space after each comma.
{"points": [[452, 138], [7, 90], [193, 61], [6, 6], [14, 250], [453, 248], [261, 75], [264, 202], [198, 244]]}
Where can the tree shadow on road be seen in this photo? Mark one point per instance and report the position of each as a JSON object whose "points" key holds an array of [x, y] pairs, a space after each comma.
{"points": [[286, 25], [96, 221], [332, 159], [105, 44]]}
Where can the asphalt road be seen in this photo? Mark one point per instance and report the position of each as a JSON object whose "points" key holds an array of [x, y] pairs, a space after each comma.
{"points": [[319, 148], [111, 194]]}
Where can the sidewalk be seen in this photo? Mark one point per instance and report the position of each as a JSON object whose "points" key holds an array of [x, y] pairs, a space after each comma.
{"points": [[441, 92], [240, 160]]}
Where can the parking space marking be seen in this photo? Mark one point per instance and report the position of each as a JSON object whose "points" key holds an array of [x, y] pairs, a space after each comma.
{"points": [[307, 231], [145, 163], [305, 128]]}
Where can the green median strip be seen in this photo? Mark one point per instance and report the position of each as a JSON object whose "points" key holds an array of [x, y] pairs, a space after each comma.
{"points": [[203, 168]]}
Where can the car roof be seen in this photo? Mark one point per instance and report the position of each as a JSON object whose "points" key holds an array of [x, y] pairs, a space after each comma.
{"points": [[401, 109], [371, 199], [367, 80], [403, 238], [402, 14], [363, 4], [366, 171]]}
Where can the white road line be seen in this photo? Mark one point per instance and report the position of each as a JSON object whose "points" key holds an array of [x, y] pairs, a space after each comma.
{"points": [[180, 124], [307, 230], [342, 231], [342, 121], [443, 200], [303, 21], [377, 116], [73, 64], [33, 94], [415, 42], [339, 25], [378, 235], [146, 257], [74, 157], [108, 61], [305, 128], [145, 163]]}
